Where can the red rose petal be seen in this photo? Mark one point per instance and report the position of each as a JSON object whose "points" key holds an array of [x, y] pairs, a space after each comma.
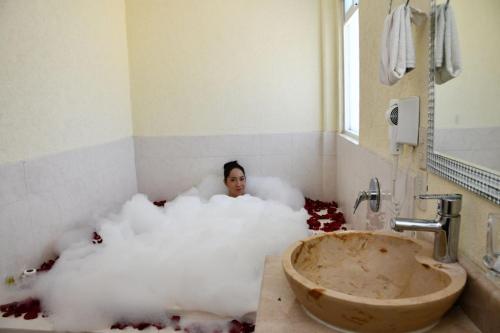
{"points": [[31, 315], [142, 326], [6, 307]]}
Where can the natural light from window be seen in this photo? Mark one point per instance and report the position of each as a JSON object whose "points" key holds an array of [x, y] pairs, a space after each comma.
{"points": [[351, 68]]}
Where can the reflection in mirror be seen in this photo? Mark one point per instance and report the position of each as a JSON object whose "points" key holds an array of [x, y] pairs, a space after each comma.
{"points": [[467, 107], [463, 109]]}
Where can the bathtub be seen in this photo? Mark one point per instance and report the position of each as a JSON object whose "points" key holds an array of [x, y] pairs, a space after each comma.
{"points": [[323, 217]]}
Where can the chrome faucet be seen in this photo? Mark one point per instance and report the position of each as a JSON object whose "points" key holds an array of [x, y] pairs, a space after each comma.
{"points": [[446, 225]]}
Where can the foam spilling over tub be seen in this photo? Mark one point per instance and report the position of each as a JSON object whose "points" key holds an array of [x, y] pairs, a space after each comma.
{"points": [[202, 252]]}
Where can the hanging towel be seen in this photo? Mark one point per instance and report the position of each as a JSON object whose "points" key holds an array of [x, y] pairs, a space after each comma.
{"points": [[447, 56], [397, 56]]}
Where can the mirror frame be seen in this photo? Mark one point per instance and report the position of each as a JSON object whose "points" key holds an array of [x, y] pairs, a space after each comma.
{"points": [[474, 179]]}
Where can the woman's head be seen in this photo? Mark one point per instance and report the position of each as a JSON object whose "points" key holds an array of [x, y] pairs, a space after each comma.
{"points": [[234, 178]]}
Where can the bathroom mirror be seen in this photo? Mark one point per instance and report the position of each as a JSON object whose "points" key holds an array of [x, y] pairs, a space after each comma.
{"points": [[463, 141]]}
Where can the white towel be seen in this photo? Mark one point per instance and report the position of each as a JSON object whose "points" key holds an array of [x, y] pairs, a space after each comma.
{"points": [[447, 56], [397, 56]]}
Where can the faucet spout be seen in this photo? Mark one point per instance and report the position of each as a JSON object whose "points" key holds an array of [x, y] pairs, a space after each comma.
{"points": [[402, 224]]}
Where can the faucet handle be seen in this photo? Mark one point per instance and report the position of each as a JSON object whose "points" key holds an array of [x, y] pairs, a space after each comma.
{"points": [[449, 204], [372, 195], [362, 196], [449, 197]]}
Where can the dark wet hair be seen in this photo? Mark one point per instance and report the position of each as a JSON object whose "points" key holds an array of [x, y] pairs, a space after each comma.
{"points": [[230, 166]]}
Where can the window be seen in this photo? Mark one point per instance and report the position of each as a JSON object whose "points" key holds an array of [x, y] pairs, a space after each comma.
{"points": [[351, 67]]}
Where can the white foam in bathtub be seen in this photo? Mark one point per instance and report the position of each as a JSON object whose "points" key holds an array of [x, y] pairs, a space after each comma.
{"points": [[266, 188], [193, 254]]}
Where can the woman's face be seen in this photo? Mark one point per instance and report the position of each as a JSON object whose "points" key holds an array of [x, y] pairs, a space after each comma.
{"points": [[235, 183]]}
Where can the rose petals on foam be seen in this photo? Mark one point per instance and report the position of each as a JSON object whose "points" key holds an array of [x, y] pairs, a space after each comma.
{"points": [[96, 238], [29, 307], [46, 266], [160, 203]]}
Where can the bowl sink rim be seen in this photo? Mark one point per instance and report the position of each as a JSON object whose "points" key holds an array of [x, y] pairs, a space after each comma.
{"points": [[454, 271]]}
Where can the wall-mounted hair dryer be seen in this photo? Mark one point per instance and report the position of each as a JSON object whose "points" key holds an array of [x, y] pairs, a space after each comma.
{"points": [[403, 117]]}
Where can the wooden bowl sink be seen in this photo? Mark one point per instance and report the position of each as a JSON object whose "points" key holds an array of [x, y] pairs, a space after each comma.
{"points": [[365, 281]]}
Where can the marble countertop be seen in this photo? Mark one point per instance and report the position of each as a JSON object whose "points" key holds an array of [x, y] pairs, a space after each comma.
{"points": [[280, 312]]}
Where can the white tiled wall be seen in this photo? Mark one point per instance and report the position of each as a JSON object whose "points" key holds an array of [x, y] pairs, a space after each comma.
{"points": [[323, 165], [167, 166], [355, 167], [40, 198]]}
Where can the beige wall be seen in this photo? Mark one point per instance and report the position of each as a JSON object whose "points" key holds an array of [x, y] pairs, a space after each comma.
{"points": [[373, 133], [475, 92], [374, 97], [225, 66], [63, 76]]}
